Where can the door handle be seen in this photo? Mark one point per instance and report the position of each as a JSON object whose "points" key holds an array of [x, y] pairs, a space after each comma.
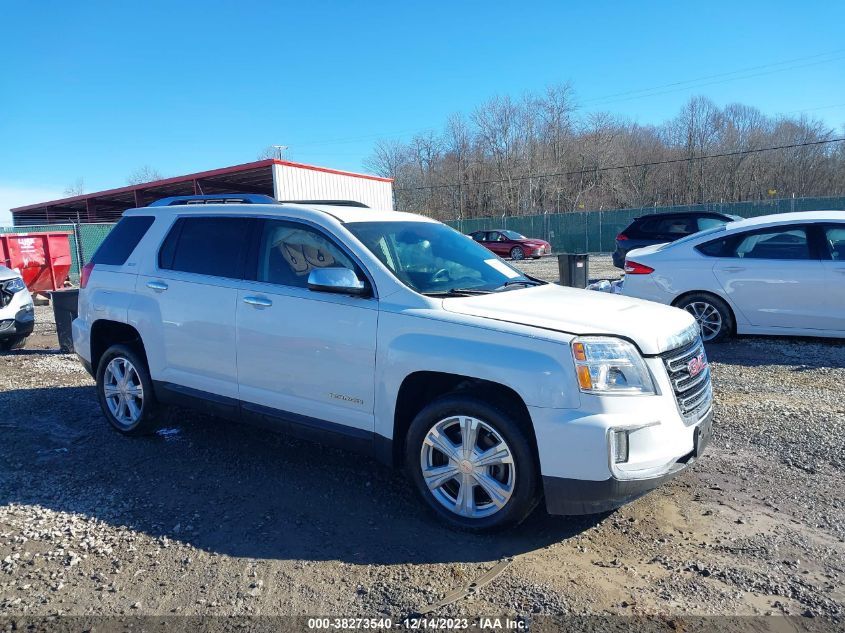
{"points": [[733, 269], [158, 286], [258, 302]]}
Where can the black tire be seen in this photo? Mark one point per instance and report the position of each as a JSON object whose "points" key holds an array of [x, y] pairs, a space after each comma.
{"points": [[517, 253], [525, 487], [146, 421], [15, 342], [692, 303]]}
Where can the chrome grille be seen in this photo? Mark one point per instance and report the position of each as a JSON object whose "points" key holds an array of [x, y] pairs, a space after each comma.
{"points": [[694, 394]]}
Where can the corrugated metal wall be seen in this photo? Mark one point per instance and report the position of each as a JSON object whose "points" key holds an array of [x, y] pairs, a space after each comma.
{"points": [[296, 183]]}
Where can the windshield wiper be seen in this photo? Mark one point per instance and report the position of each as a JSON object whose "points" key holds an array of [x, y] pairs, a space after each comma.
{"points": [[518, 282], [456, 292]]}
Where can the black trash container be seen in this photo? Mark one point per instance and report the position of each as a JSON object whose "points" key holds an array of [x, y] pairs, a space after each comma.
{"points": [[573, 269], [65, 310]]}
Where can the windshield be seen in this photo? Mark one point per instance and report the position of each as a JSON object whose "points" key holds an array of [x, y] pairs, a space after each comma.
{"points": [[432, 258], [513, 235], [694, 236]]}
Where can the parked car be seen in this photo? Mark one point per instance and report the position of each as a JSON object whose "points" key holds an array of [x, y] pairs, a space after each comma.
{"points": [[393, 334], [17, 314], [776, 274], [506, 243], [659, 228]]}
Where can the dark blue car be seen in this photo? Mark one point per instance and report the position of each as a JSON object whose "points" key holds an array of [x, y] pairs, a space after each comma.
{"points": [[664, 227]]}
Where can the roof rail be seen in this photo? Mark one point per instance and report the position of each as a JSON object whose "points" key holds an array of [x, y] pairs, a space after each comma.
{"points": [[215, 198], [333, 203]]}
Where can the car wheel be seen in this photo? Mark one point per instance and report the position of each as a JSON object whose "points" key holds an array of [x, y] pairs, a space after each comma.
{"points": [[16, 342], [712, 314], [517, 253], [472, 464], [125, 391]]}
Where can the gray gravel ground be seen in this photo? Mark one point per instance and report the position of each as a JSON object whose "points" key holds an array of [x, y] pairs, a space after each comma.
{"points": [[209, 517]]}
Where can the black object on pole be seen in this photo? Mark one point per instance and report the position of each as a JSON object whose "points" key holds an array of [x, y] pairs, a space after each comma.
{"points": [[65, 310], [573, 269]]}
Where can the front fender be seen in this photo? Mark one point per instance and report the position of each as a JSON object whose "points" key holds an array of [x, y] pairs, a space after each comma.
{"points": [[539, 370]]}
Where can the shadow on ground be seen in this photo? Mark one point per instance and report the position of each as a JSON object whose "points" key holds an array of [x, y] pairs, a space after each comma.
{"points": [[232, 489]]}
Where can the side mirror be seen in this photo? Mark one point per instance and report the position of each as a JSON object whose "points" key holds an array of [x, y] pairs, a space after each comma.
{"points": [[337, 280]]}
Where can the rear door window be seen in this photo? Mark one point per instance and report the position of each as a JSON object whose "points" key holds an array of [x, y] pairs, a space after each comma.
{"points": [[667, 227], [122, 240], [207, 246], [789, 242]]}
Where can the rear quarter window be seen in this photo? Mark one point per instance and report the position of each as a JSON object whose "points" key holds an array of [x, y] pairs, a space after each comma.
{"points": [[122, 240]]}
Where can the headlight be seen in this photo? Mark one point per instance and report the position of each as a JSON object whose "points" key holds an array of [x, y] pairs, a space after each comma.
{"points": [[16, 285], [610, 365]]}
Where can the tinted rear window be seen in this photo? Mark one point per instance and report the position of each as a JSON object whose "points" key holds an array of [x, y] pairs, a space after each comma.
{"points": [[122, 240], [207, 246]]}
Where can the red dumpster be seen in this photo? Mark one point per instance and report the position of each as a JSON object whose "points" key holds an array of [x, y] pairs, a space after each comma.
{"points": [[43, 259]]}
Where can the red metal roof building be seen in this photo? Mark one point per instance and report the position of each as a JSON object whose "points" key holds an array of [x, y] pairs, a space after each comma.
{"points": [[280, 179]]}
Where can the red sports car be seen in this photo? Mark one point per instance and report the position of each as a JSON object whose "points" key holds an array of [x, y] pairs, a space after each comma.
{"points": [[511, 244]]}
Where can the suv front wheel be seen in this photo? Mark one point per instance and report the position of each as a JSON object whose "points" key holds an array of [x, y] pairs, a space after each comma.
{"points": [[125, 391], [472, 464]]}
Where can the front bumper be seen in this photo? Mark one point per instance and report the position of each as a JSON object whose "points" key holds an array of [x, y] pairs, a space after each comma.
{"points": [[580, 496], [22, 324]]}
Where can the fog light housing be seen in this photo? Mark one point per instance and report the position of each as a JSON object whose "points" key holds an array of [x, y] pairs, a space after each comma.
{"points": [[619, 446]]}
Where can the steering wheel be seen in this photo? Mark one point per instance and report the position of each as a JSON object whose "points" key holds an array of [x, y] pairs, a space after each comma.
{"points": [[441, 275]]}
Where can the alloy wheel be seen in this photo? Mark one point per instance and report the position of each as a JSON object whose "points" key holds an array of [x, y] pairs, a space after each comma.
{"points": [[123, 391], [517, 253], [709, 319], [468, 466]]}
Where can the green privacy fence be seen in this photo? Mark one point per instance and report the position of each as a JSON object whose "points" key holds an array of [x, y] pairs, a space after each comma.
{"points": [[595, 231]]}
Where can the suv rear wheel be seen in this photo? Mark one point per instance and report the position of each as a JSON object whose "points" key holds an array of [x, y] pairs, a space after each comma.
{"points": [[125, 391], [472, 464]]}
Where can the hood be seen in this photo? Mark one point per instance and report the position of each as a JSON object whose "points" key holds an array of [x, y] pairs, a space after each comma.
{"points": [[533, 242], [654, 327], [8, 273]]}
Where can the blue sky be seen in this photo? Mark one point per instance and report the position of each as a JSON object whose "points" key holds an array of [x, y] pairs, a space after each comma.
{"points": [[98, 89]]}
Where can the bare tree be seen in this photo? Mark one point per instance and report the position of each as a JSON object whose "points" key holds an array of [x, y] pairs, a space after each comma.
{"points": [[77, 188], [540, 153], [142, 175]]}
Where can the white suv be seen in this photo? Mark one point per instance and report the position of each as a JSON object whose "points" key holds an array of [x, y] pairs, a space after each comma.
{"points": [[395, 335], [17, 314]]}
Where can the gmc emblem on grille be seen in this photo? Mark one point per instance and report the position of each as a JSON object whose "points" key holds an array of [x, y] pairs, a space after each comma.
{"points": [[697, 365]]}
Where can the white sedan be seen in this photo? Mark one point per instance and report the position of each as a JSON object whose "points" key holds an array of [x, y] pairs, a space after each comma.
{"points": [[775, 274]]}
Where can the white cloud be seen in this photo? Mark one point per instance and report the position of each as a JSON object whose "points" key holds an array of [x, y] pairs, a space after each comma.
{"points": [[12, 196]]}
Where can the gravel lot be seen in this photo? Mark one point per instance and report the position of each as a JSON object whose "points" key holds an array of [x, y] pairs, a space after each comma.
{"points": [[208, 517]]}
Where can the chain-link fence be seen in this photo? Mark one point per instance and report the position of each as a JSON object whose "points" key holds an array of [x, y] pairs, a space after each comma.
{"points": [[595, 231], [582, 231]]}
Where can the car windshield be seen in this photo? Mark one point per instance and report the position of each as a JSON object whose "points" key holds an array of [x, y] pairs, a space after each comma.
{"points": [[434, 259], [693, 236], [513, 235]]}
